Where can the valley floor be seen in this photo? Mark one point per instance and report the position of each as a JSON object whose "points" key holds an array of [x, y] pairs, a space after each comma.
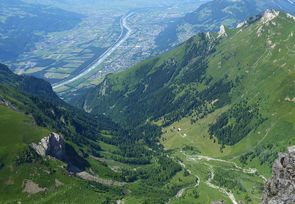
{"points": [[218, 172], [211, 184]]}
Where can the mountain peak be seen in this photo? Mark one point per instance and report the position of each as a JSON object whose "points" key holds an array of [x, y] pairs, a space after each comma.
{"points": [[222, 32], [291, 16], [269, 15], [266, 19]]}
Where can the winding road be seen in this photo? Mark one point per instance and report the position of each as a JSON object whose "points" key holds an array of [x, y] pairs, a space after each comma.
{"points": [[181, 191], [209, 182], [125, 34]]}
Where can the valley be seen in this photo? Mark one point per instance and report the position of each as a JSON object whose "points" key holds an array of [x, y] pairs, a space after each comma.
{"points": [[192, 161], [199, 91], [124, 35], [61, 56], [201, 116]]}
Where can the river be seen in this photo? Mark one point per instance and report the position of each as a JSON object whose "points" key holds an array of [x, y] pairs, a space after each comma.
{"points": [[125, 34]]}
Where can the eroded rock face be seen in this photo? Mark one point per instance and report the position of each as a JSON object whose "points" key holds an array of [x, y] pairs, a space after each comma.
{"points": [[281, 187], [7, 103], [31, 187], [53, 145]]}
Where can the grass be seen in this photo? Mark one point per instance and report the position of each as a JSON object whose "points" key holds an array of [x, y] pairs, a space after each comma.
{"points": [[206, 194], [17, 131], [249, 185], [266, 81], [195, 135], [263, 80]]}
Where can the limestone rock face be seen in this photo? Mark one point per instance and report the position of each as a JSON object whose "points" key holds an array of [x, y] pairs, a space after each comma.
{"points": [[281, 187], [6, 103], [52, 145]]}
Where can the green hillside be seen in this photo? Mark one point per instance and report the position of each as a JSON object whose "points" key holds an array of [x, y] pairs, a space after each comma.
{"points": [[221, 99], [120, 162], [24, 119]]}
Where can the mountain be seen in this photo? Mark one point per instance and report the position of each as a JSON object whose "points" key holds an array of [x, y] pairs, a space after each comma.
{"points": [[90, 6], [210, 16], [224, 101], [27, 84], [51, 152], [23, 24]]}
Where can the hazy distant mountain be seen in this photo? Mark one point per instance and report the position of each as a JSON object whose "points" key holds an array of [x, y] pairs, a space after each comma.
{"points": [[209, 17], [22, 24], [89, 6]]}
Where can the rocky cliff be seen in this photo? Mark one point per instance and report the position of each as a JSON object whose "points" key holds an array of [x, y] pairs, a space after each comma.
{"points": [[53, 145], [281, 187]]}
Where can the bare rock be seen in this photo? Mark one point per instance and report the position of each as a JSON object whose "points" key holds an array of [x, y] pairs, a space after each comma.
{"points": [[281, 187], [6, 103], [222, 32], [58, 183], [90, 177], [53, 145], [31, 187]]}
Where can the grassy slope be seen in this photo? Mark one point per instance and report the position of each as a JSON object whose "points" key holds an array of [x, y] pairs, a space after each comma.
{"points": [[88, 136], [268, 76], [13, 136], [18, 131]]}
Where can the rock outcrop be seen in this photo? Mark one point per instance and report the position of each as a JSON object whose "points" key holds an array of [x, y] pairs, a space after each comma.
{"points": [[222, 32], [7, 103], [55, 146], [31, 187], [281, 187], [52, 145]]}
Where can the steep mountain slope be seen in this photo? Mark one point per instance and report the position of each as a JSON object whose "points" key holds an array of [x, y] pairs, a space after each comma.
{"points": [[27, 84], [90, 158], [226, 95], [26, 117], [209, 17]]}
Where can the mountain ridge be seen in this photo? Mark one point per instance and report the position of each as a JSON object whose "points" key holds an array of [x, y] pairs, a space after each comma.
{"points": [[209, 16], [210, 39], [203, 84]]}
